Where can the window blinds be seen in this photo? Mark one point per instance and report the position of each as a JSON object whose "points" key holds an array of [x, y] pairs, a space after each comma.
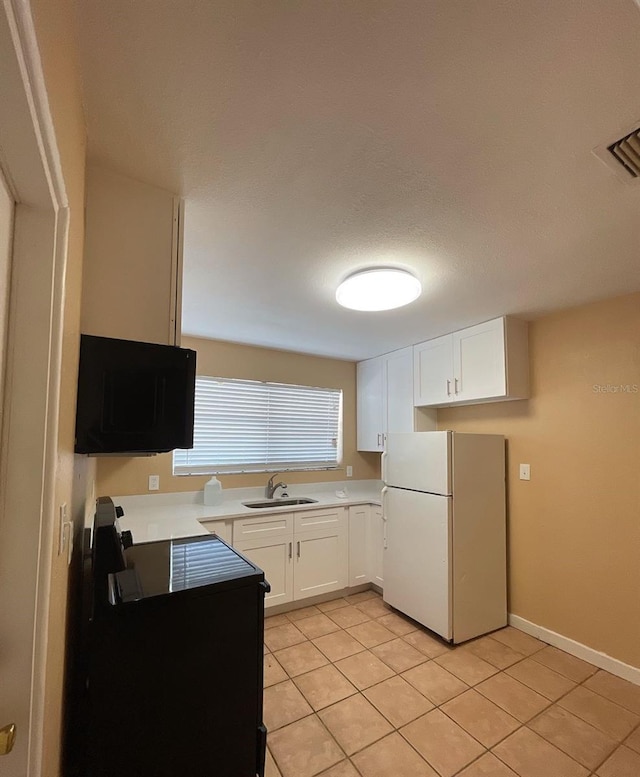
{"points": [[251, 426]]}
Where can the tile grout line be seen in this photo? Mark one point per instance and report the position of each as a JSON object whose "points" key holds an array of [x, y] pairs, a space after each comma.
{"points": [[429, 659]]}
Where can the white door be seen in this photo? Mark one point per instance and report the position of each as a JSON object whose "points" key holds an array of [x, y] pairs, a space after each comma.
{"points": [[417, 557], [31, 403], [419, 461]]}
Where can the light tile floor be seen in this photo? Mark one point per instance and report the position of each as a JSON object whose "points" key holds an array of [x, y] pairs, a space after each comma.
{"points": [[354, 689]]}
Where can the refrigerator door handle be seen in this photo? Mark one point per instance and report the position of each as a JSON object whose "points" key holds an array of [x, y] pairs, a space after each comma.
{"points": [[383, 463], [384, 517]]}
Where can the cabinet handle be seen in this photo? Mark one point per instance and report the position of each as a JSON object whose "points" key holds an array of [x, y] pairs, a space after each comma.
{"points": [[448, 388], [455, 385], [298, 549], [384, 517], [290, 550], [379, 440]]}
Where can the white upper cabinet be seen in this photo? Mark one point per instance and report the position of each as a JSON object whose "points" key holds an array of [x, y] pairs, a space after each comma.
{"points": [[484, 363], [369, 414], [131, 281], [433, 371], [385, 398], [397, 399]]}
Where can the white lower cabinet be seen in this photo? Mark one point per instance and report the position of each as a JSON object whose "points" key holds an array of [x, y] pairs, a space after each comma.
{"points": [[274, 557], [302, 554], [377, 540], [320, 562], [359, 545]]}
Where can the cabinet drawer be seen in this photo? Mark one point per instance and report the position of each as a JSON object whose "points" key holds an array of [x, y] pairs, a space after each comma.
{"points": [[310, 520], [271, 525]]}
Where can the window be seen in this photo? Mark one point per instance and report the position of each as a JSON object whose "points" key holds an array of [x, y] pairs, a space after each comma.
{"points": [[250, 426]]}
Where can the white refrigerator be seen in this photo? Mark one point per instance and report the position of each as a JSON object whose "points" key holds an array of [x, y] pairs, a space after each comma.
{"points": [[444, 510]]}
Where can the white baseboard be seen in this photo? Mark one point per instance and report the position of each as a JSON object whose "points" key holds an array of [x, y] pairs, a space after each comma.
{"points": [[577, 649]]}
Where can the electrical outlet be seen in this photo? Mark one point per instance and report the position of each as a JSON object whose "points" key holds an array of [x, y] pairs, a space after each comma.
{"points": [[154, 482], [525, 472], [349, 472]]}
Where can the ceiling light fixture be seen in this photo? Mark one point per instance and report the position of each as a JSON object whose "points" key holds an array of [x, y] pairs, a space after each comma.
{"points": [[378, 289]]}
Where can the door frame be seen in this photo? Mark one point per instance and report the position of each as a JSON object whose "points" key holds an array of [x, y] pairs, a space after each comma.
{"points": [[29, 445]]}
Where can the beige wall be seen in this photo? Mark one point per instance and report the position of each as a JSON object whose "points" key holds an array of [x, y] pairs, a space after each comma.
{"points": [[574, 528], [54, 28], [121, 476]]}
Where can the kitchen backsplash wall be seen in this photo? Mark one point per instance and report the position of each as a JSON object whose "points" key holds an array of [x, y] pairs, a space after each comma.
{"points": [[574, 528], [124, 476]]}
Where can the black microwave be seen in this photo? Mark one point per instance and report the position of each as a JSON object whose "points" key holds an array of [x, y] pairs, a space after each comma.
{"points": [[134, 398]]}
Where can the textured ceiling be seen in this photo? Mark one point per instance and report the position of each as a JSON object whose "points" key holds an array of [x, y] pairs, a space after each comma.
{"points": [[310, 139]]}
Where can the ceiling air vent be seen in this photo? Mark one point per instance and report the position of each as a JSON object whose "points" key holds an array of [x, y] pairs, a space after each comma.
{"points": [[627, 152], [622, 156]]}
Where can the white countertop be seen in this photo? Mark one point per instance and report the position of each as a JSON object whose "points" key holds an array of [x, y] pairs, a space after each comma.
{"points": [[169, 516]]}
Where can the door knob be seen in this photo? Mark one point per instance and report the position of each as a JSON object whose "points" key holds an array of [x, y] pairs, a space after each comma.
{"points": [[7, 738]]}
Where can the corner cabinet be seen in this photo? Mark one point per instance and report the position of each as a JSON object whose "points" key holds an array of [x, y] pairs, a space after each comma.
{"points": [[484, 363], [385, 398]]}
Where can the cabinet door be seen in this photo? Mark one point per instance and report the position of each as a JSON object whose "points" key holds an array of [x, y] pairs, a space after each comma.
{"points": [[274, 556], [433, 372], [398, 393], [479, 361], [376, 545], [321, 562], [359, 545], [370, 421]]}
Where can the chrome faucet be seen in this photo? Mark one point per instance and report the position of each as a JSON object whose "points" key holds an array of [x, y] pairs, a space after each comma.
{"points": [[270, 489]]}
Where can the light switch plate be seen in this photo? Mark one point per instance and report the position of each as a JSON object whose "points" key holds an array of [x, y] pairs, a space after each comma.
{"points": [[62, 529], [349, 472], [154, 482], [525, 472]]}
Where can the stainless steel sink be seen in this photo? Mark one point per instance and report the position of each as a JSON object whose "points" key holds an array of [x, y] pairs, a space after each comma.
{"points": [[280, 502]]}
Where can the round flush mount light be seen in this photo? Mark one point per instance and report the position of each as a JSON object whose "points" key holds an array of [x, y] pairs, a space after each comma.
{"points": [[378, 289]]}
